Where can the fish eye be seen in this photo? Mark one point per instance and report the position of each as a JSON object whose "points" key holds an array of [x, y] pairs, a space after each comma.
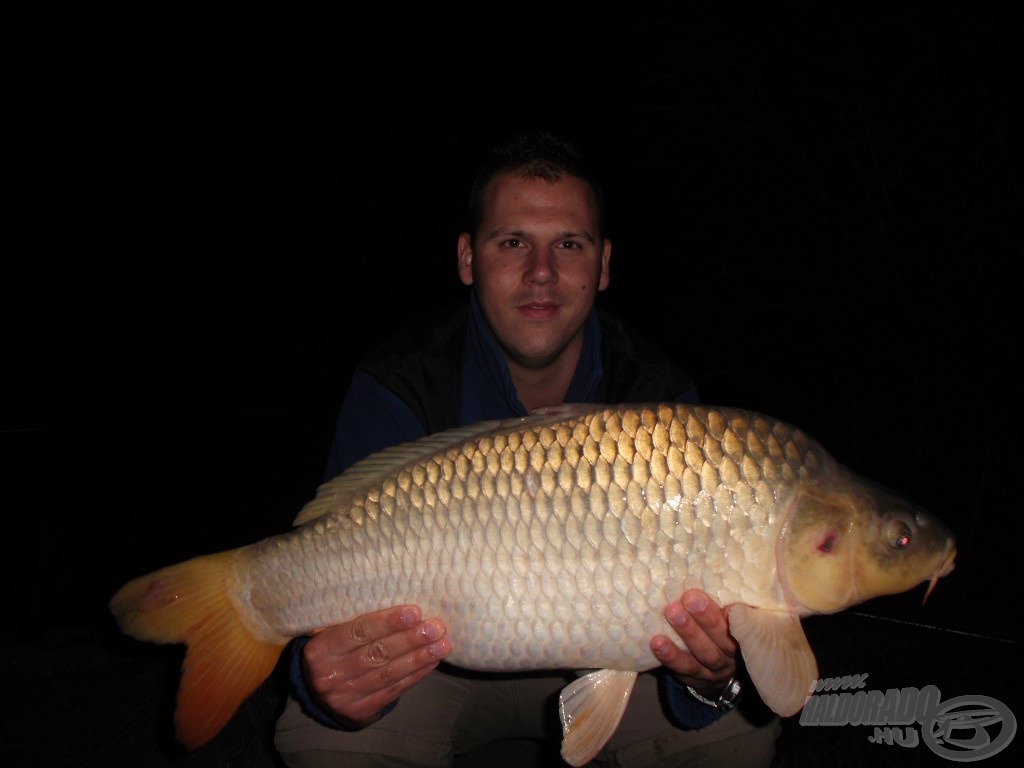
{"points": [[898, 534]]}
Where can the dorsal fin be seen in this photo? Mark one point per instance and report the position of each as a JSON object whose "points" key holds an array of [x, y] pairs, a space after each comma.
{"points": [[336, 493], [565, 410]]}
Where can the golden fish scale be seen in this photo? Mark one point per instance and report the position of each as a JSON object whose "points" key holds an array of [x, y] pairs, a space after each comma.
{"points": [[550, 544]]}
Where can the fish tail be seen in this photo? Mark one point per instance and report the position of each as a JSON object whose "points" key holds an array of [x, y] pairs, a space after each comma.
{"points": [[190, 603]]}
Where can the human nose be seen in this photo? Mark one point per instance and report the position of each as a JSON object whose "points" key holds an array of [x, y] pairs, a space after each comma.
{"points": [[540, 268]]}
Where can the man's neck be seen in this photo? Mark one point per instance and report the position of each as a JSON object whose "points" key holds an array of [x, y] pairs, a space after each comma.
{"points": [[547, 385]]}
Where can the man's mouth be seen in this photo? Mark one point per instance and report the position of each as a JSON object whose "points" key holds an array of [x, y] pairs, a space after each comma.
{"points": [[538, 309]]}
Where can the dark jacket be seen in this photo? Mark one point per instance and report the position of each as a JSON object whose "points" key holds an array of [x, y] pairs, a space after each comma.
{"points": [[448, 371]]}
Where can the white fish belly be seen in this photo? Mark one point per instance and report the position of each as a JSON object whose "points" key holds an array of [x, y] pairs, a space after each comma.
{"points": [[515, 592]]}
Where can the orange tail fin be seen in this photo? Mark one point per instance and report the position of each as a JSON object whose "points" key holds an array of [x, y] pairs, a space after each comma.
{"points": [[189, 603]]}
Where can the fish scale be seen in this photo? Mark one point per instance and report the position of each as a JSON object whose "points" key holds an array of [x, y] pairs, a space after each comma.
{"points": [[554, 542]]}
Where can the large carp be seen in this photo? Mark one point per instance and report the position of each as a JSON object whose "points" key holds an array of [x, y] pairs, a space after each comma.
{"points": [[554, 541]]}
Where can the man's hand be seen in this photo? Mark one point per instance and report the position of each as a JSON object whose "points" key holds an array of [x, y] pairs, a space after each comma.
{"points": [[357, 668], [709, 659]]}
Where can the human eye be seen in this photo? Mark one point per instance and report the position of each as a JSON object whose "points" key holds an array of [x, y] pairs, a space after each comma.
{"points": [[570, 245], [511, 243]]}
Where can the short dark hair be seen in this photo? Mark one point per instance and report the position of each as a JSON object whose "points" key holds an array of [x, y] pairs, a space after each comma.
{"points": [[535, 154]]}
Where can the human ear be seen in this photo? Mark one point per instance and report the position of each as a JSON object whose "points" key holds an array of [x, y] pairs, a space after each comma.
{"points": [[606, 257], [465, 249]]}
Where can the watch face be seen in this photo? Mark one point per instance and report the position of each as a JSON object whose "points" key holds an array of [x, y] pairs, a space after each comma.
{"points": [[732, 692]]}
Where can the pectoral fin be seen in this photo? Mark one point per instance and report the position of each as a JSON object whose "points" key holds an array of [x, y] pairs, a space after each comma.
{"points": [[778, 657], [591, 708]]}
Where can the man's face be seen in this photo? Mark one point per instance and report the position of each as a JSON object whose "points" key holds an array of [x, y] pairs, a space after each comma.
{"points": [[537, 265]]}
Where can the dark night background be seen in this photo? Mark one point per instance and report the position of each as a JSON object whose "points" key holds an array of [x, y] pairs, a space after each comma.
{"points": [[815, 208]]}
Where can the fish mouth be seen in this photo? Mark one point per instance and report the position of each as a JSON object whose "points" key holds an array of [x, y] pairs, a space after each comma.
{"points": [[944, 569]]}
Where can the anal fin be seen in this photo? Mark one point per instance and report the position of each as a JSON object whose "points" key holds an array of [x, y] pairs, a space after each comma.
{"points": [[591, 707]]}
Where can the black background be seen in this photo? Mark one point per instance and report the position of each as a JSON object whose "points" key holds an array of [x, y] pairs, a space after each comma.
{"points": [[815, 208]]}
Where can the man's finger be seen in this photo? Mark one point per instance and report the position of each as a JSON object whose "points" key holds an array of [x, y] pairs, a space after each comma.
{"points": [[364, 630]]}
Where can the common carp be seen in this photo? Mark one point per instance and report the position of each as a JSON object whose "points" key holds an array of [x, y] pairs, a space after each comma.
{"points": [[554, 541]]}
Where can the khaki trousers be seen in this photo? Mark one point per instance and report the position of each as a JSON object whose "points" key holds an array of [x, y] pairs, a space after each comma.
{"points": [[451, 717]]}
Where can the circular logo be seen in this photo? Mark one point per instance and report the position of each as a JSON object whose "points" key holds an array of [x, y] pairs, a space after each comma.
{"points": [[969, 728]]}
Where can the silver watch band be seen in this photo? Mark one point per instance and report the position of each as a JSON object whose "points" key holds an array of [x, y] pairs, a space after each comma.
{"points": [[726, 700]]}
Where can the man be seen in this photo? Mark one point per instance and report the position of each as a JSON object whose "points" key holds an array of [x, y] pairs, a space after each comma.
{"points": [[375, 691]]}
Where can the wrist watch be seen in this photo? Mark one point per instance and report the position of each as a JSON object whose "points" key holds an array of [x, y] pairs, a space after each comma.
{"points": [[726, 700]]}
